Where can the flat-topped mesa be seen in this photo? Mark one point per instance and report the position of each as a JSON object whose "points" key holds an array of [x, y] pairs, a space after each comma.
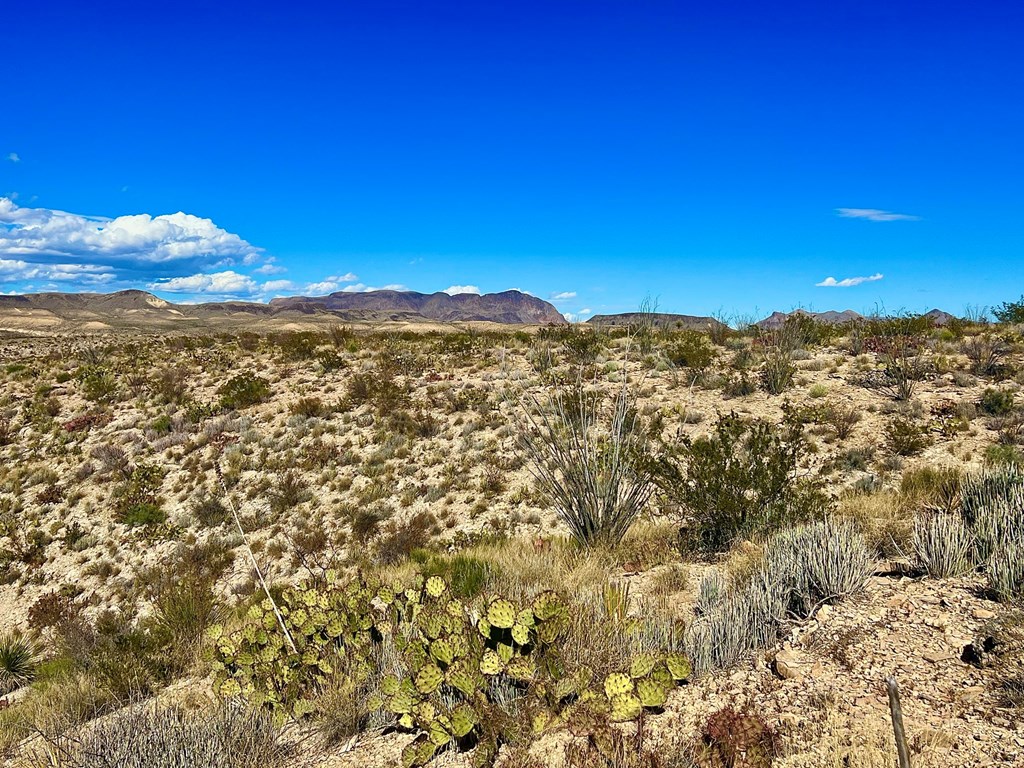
{"points": [[832, 317], [510, 307], [666, 320]]}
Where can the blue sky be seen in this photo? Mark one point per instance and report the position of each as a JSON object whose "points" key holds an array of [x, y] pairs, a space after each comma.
{"points": [[717, 156]]}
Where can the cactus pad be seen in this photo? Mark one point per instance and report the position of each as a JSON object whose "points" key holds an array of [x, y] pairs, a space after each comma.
{"points": [[651, 693], [429, 679], [617, 684], [491, 663], [435, 586], [679, 665], [625, 706], [501, 613]]}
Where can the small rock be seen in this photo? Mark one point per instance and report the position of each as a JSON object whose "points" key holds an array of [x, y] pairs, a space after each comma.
{"points": [[983, 614], [792, 664], [936, 656]]}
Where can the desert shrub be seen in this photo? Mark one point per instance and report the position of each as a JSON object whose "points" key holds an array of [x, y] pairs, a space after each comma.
{"points": [[581, 346], [996, 402], [136, 501], [985, 350], [739, 385], [19, 660], [777, 369], [123, 655], [935, 487], [243, 390], [401, 538], [209, 510], [222, 736], [899, 343], [309, 407], [589, 460], [839, 418], [740, 481], [1010, 311], [171, 384], [1004, 456], [906, 437], [690, 349], [288, 491], [800, 569], [944, 544], [99, 384]]}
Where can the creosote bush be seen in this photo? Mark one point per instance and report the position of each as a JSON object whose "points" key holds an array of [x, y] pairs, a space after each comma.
{"points": [[740, 481], [243, 390]]}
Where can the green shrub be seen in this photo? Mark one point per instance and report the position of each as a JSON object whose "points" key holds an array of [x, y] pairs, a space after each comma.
{"points": [[690, 349], [98, 383], [944, 544], [243, 390], [905, 437], [741, 481], [136, 501], [1010, 311], [996, 402]]}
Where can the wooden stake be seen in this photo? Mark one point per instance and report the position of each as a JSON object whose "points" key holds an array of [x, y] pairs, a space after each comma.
{"points": [[897, 723]]}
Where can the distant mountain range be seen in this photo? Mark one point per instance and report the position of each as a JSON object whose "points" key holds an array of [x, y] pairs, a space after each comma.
{"points": [[831, 317], [42, 312]]}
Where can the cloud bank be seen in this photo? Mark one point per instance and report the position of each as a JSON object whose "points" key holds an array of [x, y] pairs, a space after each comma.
{"points": [[455, 290], [848, 282], [874, 214]]}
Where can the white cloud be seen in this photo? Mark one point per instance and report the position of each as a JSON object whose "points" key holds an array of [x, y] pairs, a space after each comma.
{"points": [[874, 214], [454, 290], [848, 282], [360, 288], [227, 282], [278, 285], [563, 296], [586, 311], [140, 238], [348, 277], [13, 157], [15, 270], [321, 288], [270, 268]]}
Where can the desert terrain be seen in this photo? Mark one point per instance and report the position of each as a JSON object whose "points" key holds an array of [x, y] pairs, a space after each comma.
{"points": [[319, 542]]}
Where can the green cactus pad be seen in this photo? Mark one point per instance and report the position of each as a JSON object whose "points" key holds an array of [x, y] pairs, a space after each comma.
{"points": [[435, 586], [464, 678], [484, 627], [679, 665], [526, 618], [491, 663], [505, 652], [429, 679], [547, 605], [617, 684], [625, 706], [442, 651], [401, 703], [651, 693], [439, 735], [424, 712], [501, 613], [521, 668], [463, 721], [521, 634], [642, 665]]}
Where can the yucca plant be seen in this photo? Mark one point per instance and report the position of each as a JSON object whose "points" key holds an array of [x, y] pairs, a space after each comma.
{"points": [[19, 660]]}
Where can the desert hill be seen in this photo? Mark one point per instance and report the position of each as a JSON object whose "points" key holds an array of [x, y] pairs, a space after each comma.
{"points": [[134, 309]]}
